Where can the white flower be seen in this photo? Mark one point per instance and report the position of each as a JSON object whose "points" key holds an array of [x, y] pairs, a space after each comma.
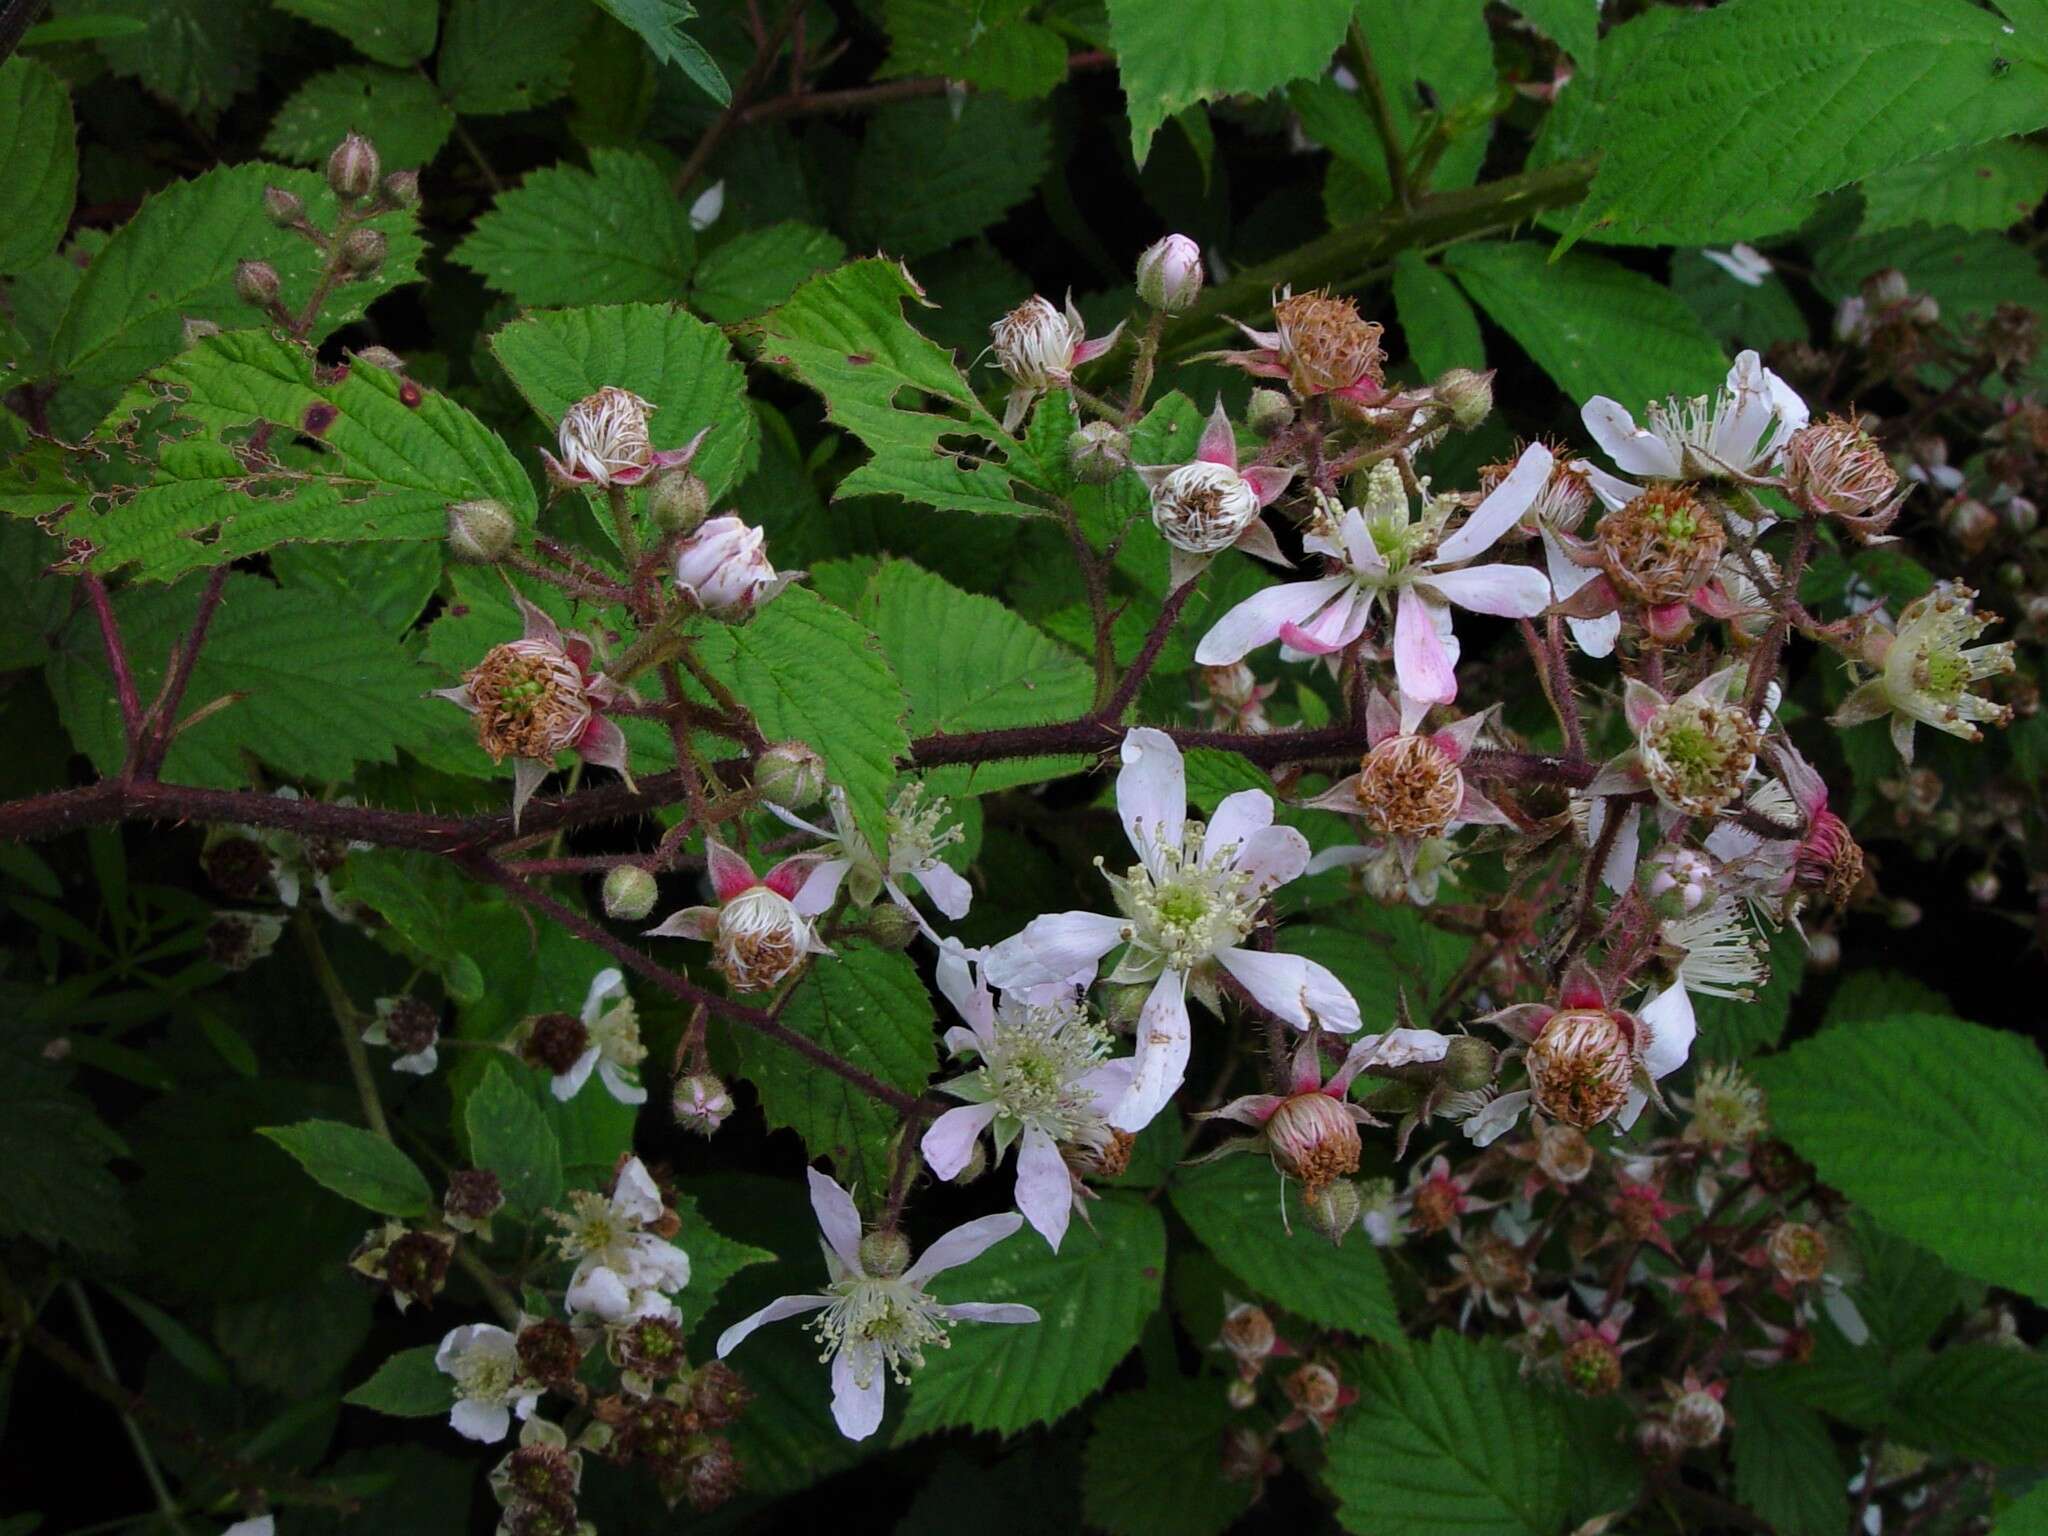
{"points": [[1720, 959], [1745, 263], [622, 1270], [1186, 908], [484, 1360], [1741, 431], [724, 568], [1384, 554], [1042, 1080], [1205, 506], [874, 1321], [612, 1026], [710, 203], [917, 831]]}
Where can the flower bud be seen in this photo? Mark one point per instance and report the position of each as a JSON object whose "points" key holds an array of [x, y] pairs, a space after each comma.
{"points": [[2022, 516], [402, 189], [1335, 1209], [1241, 1394], [1657, 1441], [1270, 411], [629, 893], [362, 251], [702, 1103], [885, 1253], [1970, 523], [1797, 1252], [1098, 453], [1823, 952], [1983, 887], [283, 208], [724, 568], [1680, 880], [790, 774], [352, 168], [257, 283], [1581, 1065], [1698, 1418], [1314, 1389], [1034, 344], [1170, 274], [679, 502], [480, 532], [1467, 395], [1469, 1064], [892, 928]]}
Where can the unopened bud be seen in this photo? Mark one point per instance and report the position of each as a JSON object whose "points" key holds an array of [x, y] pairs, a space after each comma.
{"points": [[1469, 1063], [2022, 516], [1241, 1394], [1983, 887], [679, 502], [1314, 1389], [257, 283], [1698, 1418], [2012, 575], [362, 251], [402, 189], [283, 208], [1467, 395], [352, 168], [1823, 952], [480, 532], [885, 1253], [702, 1103], [1904, 913], [1970, 523], [1170, 274], [891, 927], [1335, 1209], [1270, 411], [790, 774], [1098, 453], [629, 893]]}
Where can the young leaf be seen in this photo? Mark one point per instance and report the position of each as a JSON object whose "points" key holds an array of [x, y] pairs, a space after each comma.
{"points": [[969, 167], [609, 235], [37, 139], [355, 1164], [395, 32], [1234, 1207], [1092, 1297], [1785, 1465], [408, 1385], [1176, 1487], [1938, 1127], [509, 1134], [399, 109]]}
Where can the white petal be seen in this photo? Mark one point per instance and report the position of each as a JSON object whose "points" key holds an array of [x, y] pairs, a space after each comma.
{"points": [[1151, 792], [964, 1243], [1511, 591], [838, 1218], [857, 1409], [820, 888], [1501, 509], [566, 1085], [990, 1312], [1258, 619], [774, 1312], [594, 1288], [1297, 989], [1637, 451], [1272, 856], [1045, 1190], [1342, 856], [949, 891], [483, 1421], [619, 1085], [1405, 1047], [604, 984], [1496, 1119], [1051, 949], [262, 1525], [635, 1195], [950, 1142], [1672, 1029], [1238, 817], [1162, 1056]]}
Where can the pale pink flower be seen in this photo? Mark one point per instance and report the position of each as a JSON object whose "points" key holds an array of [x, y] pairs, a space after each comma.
{"points": [[1740, 432], [604, 442], [1170, 274], [918, 831], [724, 569], [760, 932], [1039, 348]]}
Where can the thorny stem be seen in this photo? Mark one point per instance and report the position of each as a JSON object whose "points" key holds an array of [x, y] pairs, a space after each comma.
{"points": [[1098, 602], [574, 585], [161, 724], [622, 525], [117, 660], [1142, 366], [152, 1473], [804, 103], [1765, 666], [1148, 655]]}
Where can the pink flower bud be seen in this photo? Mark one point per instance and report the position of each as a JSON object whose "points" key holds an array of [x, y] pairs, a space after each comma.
{"points": [[352, 168], [1313, 1138], [1170, 274], [725, 569]]}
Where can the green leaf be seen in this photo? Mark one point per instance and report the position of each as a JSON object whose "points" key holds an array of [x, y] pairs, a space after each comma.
{"points": [[967, 171], [1970, 273], [196, 54], [993, 44], [1866, 995], [400, 110], [1174, 53], [1785, 1465], [844, 335], [510, 1135], [808, 671], [395, 32], [867, 1007], [1447, 1437], [38, 139], [408, 1385], [1736, 314], [760, 268], [1574, 25], [1594, 327], [714, 1259], [58, 1188], [508, 55], [1441, 329], [1981, 1402], [1904, 1293], [1234, 1207], [1093, 1298], [1987, 186], [356, 1164], [1767, 102], [673, 361], [1176, 1487], [175, 261], [660, 26], [277, 652], [2026, 1516], [1938, 1127], [609, 235], [179, 1342]]}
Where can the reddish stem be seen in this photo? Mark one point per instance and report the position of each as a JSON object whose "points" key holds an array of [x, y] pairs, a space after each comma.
{"points": [[117, 659], [163, 714]]}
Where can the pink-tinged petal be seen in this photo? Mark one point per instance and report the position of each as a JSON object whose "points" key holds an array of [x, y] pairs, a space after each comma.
{"points": [[1636, 451], [962, 1245], [1257, 541], [1259, 619], [993, 1311], [559, 473], [857, 1392], [1237, 817], [792, 874], [1045, 1189], [1639, 704], [1052, 949], [1151, 792], [1267, 482], [1502, 508], [1613, 491], [676, 458], [820, 888], [1596, 637], [1334, 628], [948, 889], [1019, 402], [1162, 1056], [1667, 623], [1253, 1110], [1381, 718], [1305, 1069], [1106, 1084], [1713, 601], [1669, 1018], [1297, 989], [1088, 351], [1420, 662], [1581, 988], [1415, 711], [604, 744], [1219, 440], [577, 648], [527, 775], [1269, 340], [950, 1142], [959, 986], [1509, 591], [690, 923], [1475, 810], [1270, 858], [838, 1219], [536, 624], [1458, 737], [730, 874]]}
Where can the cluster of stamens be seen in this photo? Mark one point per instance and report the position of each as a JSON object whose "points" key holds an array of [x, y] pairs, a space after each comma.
{"points": [[1192, 908], [530, 700], [1697, 753], [1409, 786], [1660, 547], [1325, 344]]}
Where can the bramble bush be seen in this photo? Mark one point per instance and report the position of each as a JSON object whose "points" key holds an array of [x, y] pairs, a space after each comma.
{"points": [[1146, 765]]}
